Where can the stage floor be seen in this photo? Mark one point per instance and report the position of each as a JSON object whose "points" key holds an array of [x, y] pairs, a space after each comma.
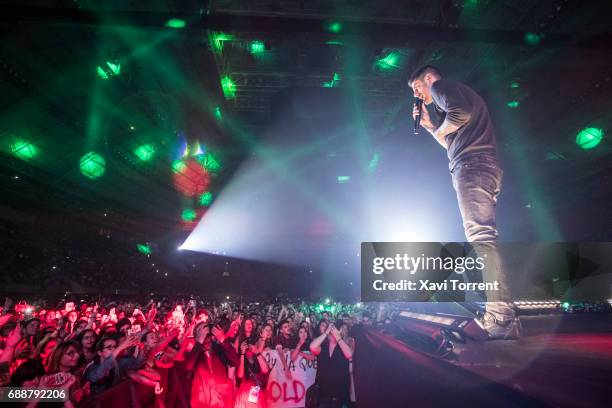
{"points": [[561, 361], [565, 360]]}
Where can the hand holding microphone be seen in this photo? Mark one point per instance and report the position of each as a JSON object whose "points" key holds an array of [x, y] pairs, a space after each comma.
{"points": [[421, 116], [417, 114]]}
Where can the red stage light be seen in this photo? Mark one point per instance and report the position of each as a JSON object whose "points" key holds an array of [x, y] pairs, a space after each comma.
{"points": [[191, 179]]}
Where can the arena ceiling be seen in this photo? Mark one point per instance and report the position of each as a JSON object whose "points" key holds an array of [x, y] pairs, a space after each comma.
{"points": [[149, 86]]}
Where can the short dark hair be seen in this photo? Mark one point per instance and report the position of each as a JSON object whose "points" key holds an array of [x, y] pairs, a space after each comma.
{"points": [[419, 73], [100, 343], [122, 322]]}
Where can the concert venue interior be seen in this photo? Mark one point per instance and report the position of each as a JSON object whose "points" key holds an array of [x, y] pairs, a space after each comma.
{"points": [[181, 175]]}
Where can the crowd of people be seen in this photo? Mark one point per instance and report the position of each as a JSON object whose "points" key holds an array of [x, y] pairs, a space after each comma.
{"points": [[181, 352]]}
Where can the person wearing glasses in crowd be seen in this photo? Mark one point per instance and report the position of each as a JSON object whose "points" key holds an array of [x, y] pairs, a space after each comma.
{"points": [[107, 368]]}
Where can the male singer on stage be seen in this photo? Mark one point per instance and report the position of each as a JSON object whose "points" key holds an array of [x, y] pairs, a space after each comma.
{"points": [[466, 132]]}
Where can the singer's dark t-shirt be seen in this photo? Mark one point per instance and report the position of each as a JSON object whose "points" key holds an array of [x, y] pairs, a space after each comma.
{"points": [[460, 105]]}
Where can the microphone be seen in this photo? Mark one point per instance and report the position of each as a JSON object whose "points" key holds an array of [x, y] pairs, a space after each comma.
{"points": [[417, 119]]}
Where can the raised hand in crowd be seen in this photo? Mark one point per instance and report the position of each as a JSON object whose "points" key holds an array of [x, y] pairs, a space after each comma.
{"points": [[201, 332], [218, 332], [10, 345], [23, 350], [244, 346], [4, 319], [334, 332]]}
